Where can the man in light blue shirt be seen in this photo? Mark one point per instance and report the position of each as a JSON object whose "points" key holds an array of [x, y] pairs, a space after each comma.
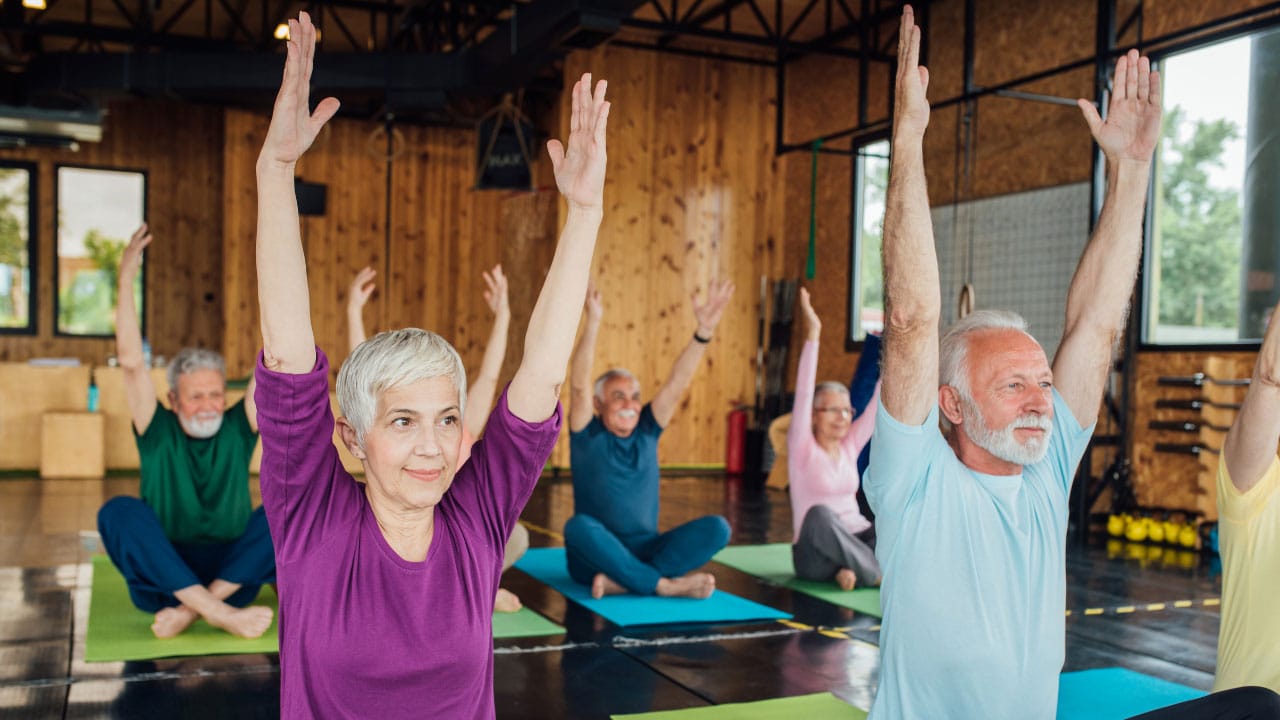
{"points": [[971, 525]]}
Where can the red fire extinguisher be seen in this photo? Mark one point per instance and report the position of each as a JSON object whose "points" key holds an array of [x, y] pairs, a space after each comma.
{"points": [[736, 442]]}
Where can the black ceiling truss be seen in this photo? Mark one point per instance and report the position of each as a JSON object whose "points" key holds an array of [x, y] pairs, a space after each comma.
{"points": [[430, 60], [362, 25], [714, 21]]}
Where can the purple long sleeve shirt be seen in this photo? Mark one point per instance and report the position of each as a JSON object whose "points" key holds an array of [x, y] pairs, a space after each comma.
{"points": [[365, 633]]}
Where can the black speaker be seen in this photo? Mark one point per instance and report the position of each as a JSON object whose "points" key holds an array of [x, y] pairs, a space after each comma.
{"points": [[311, 197]]}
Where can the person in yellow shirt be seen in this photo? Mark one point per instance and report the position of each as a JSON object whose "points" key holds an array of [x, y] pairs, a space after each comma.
{"points": [[1249, 530]]}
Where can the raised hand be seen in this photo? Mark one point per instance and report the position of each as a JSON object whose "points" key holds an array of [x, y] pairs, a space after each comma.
{"points": [[709, 313], [911, 107], [593, 305], [361, 288], [496, 295], [131, 258], [293, 126], [1132, 127], [579, 168], [811, 320]]}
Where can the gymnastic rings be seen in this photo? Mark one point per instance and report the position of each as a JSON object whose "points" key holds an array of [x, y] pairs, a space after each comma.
{"points": [[966, 302], [380, 149]]}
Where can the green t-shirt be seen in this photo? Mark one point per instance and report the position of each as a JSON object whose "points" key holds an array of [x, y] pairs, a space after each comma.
{"points": [[198, 488]]}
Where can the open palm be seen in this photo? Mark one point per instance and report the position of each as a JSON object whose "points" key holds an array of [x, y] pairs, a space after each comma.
{"points": [[579, 168], [1132, 127], [293, 126]]}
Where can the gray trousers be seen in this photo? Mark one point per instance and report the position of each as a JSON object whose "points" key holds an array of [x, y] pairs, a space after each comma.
{"points": [[824, 547]]}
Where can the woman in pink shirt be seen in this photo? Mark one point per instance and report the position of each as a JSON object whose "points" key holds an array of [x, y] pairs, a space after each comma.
{"points": [[484, 386], [832, 538]]}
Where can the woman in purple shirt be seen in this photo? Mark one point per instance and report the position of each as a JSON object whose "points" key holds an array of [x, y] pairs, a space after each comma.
{"points": [[387, 588]]}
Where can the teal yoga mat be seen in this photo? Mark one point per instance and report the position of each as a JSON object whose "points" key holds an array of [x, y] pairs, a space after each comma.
{"points": [[773, 563], [548, 566], [819, 706], [1116, 693]]}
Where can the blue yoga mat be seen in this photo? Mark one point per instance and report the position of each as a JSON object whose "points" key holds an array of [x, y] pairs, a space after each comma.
{"points": [[1116, 694], [548, 565]]}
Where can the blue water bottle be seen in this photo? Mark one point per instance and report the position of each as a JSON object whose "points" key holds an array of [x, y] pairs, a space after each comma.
{"points": [[93, 394]]}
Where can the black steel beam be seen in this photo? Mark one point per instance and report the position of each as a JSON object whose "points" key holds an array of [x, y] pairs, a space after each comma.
{"points": [[790, 47]]}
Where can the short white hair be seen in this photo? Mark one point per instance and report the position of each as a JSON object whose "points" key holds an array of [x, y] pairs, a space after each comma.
{"points": [[953, 352], [611, 374], [391, 359], [189, 360], [829, 386]]}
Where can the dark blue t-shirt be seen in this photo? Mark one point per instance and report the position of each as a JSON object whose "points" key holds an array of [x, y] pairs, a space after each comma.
{"points": [[615, 479]]}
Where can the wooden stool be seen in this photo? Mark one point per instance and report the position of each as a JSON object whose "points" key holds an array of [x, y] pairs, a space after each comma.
{"points": [[71, 445]]}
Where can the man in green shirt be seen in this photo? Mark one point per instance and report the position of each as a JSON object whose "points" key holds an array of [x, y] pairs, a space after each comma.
{"points": [[191, 546]]}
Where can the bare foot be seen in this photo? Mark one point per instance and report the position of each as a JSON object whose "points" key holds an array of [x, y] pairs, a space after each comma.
{"points": [[246, 622], [506, 601], [698, 586], [846, 579], [603, 585], [171, 621]]}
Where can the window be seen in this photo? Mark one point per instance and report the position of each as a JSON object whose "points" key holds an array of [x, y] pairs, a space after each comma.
{"points": [[1200, 265], [17, 247], [866, 281], [98, 211]]}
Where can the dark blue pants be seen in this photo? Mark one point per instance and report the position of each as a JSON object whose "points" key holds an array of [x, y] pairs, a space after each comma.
{"points": [[155, 567], [638, 563]]}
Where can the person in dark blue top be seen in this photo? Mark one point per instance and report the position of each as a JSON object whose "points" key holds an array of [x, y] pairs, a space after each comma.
{"points": [[612, 541]]}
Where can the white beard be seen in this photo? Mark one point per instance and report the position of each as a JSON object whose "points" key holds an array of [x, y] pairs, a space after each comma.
{"points": [[1002, 443], [627, 414], [201, 426]]}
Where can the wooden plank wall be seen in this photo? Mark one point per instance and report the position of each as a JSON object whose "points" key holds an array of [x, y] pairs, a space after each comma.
{"points": [[180, 148], [692, 193], [443, 234]]}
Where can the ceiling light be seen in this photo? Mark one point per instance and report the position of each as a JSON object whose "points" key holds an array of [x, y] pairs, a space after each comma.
{"points": [[33, 4], [281, 32]]}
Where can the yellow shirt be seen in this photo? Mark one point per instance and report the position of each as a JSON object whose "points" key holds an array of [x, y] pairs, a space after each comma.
{"points": [[1249, 540]]}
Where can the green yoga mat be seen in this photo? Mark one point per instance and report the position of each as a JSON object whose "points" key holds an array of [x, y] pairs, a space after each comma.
{"points": [[119, 631], [773, 563], [819, 706], [523, 623]]}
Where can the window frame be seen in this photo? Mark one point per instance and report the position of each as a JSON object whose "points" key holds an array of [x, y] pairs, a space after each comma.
{"points": [[853, 297], [57, 289], [33, 248], [1147, 302]]}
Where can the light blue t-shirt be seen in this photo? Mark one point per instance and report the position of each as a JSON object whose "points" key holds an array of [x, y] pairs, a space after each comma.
{"points": [[974, 591]]}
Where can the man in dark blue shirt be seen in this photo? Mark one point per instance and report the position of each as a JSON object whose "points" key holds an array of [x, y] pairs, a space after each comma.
{"points": [[612, 541]]}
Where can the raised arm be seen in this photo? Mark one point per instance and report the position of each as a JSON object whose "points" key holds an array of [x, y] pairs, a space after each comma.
{"points": [[139, 391], [579, 170], [357, 295], [708, 314], [1251, 445], [1098, 300], [288, 341], [912, 296], [800, 434], [485, 385], [581, 407]]}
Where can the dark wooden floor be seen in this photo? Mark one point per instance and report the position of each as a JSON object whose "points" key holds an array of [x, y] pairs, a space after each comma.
{"points": [[595, 669]]}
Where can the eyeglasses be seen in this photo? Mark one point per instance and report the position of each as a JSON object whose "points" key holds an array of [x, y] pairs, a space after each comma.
{"points": [[842, 411]]}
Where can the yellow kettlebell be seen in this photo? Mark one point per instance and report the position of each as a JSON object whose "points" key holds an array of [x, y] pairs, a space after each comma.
{"points": [[1188, 536], [1171, 530], [1115, 526], [1155, 531], [1136, 530]]}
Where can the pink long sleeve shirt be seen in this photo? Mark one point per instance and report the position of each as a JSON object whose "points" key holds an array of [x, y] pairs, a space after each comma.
{"points": [[816, 477]]}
